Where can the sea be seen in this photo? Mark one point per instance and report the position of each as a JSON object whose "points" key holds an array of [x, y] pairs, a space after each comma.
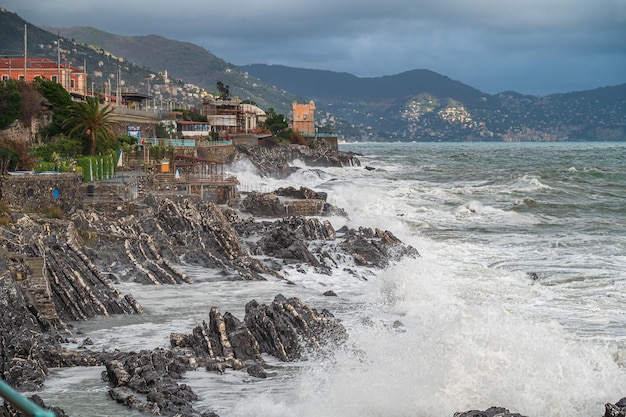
{"points": [[517, 300]]}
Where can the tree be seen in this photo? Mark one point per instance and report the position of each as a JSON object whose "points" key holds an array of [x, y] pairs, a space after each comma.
{"points": [[224, 91], [87, 117], [8, 160], [277, 124], [10, 103], [59, 99]]}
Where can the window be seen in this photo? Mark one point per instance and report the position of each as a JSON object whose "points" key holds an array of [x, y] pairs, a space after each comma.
{"points": [[21, 78], [54, 78], [71, 83], [5, 78]]}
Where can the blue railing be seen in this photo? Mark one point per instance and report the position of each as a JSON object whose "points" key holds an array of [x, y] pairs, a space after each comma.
{"points": [[26, 406], [177, 143]]}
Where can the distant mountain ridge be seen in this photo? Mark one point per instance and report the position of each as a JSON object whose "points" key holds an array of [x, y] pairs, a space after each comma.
{"points": [[347, 86], [421, 105], [417, 105]]}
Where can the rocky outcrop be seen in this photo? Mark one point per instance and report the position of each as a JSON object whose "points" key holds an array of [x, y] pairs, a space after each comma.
{"points": [[149, 381], [490, 412], [616, 410], [275, 161], [149, 245], [294, 202], [47, 283], [6, 410], [298, 240], [152, 375], [287, 329], [375, 247]]}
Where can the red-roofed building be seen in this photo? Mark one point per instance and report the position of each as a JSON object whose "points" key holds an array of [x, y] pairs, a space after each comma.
{"points": [[73, 79]]}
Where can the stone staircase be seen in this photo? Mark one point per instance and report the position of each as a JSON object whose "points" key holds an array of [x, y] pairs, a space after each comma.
{"points": [[37, 288]]}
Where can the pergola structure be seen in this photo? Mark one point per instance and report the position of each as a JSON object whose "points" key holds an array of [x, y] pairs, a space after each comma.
{"points": [[205, 177]]}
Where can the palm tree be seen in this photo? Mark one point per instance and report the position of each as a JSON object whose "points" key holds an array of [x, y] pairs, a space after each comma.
{"points": [[88, 117]]}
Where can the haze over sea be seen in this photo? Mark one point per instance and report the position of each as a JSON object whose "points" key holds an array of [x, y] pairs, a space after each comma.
{"points": [[462, 327]]}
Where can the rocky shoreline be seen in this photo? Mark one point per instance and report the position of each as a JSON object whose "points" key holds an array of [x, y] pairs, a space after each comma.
{"points": [[58, 272]]}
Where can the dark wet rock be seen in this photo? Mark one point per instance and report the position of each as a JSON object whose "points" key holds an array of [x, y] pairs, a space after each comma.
{"points": [[287, 328], [148, 246], [533, 276], [616, 410], [375, 247], [330, 293], [222, 343], [256, 371], [39, 295], [369, 168], [263, 205], [290, 201], [274, 161], [490, 412], [7, 410], [153, 373], [302, 193], [299, 240]]}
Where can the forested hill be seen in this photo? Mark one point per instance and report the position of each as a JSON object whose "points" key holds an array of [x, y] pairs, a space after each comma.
{"points": [[343, 86], [421, 105]]}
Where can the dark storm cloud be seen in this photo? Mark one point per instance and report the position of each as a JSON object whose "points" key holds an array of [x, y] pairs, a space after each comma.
{"points": [[530, 46]]}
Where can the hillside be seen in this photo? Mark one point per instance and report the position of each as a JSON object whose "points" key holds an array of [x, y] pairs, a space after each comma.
{"points": [[138, 60], [182, 60], [417, 105], [421, 105]]}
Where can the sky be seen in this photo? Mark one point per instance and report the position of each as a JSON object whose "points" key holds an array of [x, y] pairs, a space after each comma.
{"points": [[536, 47]]}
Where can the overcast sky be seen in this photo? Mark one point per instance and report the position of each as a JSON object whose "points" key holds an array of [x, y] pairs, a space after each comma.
{"points": [[530, 46]]}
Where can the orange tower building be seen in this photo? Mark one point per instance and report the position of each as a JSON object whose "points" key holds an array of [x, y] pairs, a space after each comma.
{"points": [[303, 118]]}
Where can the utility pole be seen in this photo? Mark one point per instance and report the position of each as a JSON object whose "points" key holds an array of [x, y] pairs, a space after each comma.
{"points": [[58, 56], [25, 49], [117, 90], [85, 78]]}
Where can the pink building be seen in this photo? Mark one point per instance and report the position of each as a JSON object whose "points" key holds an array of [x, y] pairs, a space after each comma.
{"points": [[73, 79]]}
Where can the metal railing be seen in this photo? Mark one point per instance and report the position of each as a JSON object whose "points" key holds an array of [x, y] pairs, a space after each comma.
{"points": [[26, 406]]}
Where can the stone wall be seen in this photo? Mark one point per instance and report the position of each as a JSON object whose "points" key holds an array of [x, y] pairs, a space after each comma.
{"points": [[221, 153], [35, 191], [311, 207]]}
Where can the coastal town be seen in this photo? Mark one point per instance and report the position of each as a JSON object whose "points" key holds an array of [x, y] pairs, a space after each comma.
{"points": [[69, 234], [189, 156], [115, 189]]}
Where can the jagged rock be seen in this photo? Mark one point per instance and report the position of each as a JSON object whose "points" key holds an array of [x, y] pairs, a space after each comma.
{"points": [[287, 328], [490, 412], [263, 205], [374, 247], [153, 373], [147, 246], [616, 410], [6, 410], [257, 371], [303, 193], [223, 343], [273, 161]]}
